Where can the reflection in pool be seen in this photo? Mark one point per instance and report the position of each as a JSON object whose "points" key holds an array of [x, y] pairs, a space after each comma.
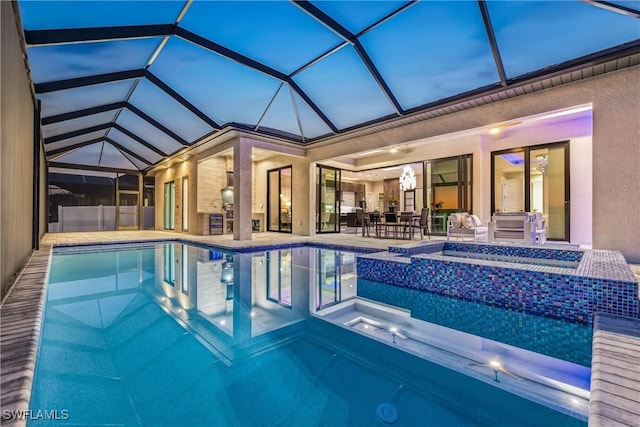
{"points": [[171, 334]]}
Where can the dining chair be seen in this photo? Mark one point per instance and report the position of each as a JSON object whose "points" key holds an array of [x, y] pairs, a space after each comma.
{"points": [[422, 223], [390, 221], [362, 220], [374, 221], [404, 223]]}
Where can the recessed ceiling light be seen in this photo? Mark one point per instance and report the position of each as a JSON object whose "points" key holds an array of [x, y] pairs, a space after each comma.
{"points": [[394, 150]]}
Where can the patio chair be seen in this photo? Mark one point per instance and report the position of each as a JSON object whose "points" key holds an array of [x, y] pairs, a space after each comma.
{"points": [[514, 227], [463, 225], [541, 228]]}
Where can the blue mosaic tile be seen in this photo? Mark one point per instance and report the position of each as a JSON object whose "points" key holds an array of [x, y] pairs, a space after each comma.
{"points": [[602, 281]]}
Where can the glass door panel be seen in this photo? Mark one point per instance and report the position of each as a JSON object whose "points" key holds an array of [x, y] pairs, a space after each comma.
{"points": [[185, 204], [128, 210], [534, 179], [548, 193], [449, 187], [509, 179], [285, 204], [328, 218], [279, 196], [273, 200], [169, 203]]}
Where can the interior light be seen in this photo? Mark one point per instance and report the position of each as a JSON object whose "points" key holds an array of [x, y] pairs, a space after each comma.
{"points": [[394, 150], [223, 322], [575, 401], [494, 364], [494, 130], [253, 313]]}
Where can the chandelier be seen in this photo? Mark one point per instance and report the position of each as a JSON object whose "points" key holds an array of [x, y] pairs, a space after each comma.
{"points": [[543, 164], [407, 179]]}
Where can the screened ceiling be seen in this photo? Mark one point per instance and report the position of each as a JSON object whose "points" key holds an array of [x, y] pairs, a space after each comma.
{"points": [[125, 84]]}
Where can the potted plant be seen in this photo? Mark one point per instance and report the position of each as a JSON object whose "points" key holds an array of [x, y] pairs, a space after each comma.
{"points": [[393, 202]]}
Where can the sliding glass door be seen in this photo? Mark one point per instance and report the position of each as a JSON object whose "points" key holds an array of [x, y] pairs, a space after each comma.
{"points": [[279, 197], [449, 189], [534, 179], [328, 202], [169, 203]]}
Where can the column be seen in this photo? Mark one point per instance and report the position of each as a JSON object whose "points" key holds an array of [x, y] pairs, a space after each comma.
{"points": [[242, 190]]}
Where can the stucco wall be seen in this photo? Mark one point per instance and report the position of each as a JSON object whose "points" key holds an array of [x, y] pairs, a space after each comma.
{"points": [[16, 152]]}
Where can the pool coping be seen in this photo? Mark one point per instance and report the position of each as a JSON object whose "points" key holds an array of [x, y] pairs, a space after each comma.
{"points": [[21, 316]]}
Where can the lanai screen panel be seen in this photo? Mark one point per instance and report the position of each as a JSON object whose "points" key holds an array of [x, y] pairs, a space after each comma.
{"points": [[161, 75]]}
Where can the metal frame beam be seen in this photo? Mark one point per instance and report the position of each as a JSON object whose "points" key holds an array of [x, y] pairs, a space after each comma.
{"points": [[71, 147], [79, 132], [175, 95], [81, 113], [105, 126], [139, 140], [97, 140], [91, 168], [348, 36], [155, 123], [116, 105], [79, 35], [248, 62], [617, 8], [484, 11], [88, 81]]}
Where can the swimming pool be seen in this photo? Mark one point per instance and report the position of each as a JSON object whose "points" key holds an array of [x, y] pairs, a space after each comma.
{"points": [[171, 334]]}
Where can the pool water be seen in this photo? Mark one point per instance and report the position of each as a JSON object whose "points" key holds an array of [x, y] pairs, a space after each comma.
{"points": [[552, 337], [170, 335], [509, 258]]}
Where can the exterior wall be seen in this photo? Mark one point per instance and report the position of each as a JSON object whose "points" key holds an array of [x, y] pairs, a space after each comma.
{"points": [[212, 177], [16, 153], [615, 152], [616, 163]]}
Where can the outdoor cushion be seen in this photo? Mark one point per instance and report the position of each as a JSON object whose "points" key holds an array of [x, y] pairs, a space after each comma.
{"points": [[471, 222]]}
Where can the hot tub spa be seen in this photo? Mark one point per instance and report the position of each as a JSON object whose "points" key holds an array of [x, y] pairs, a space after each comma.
{"points": [[568, 284]]}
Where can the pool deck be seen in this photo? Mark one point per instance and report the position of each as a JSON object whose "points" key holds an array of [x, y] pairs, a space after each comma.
{"points": [[615, 382]]}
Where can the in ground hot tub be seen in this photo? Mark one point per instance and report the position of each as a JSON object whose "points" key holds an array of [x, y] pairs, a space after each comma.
{"points": [[569, 284]]}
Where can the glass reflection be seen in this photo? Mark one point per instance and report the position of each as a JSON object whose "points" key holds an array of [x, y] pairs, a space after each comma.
{"points": [[337, 277], [279, 277], [229, 300]]}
